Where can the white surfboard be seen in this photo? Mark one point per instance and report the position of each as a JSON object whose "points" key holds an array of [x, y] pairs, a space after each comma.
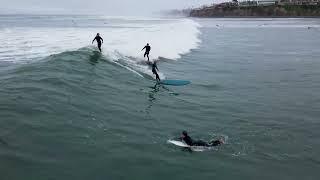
{"points": [[178, 143], [193, 148]]}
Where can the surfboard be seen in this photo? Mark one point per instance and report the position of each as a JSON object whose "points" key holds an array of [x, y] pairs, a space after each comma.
{"points": [[175, 82], [178, 143], [193, 148]]}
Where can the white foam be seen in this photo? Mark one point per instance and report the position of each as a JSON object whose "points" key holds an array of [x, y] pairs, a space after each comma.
{"points": [[169, 38]]}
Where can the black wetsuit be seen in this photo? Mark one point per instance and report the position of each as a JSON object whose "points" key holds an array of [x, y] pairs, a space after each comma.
{"points": [[154, 71], [190, 142], [148, 48], [99, 41]]}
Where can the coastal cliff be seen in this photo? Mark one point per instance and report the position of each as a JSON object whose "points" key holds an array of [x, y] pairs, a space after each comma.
{"points": [[257, 11]]}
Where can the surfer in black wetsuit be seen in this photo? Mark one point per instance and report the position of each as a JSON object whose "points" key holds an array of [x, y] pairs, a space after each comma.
{"points": [[99, 41], [188, 140], [154, 70], [148, 48]]}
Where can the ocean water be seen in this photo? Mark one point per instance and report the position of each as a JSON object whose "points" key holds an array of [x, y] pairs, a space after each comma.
{"points": [[70, 112]]}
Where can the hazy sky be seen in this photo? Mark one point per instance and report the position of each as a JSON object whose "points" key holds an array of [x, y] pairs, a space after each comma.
{"points": [[108, 7]]}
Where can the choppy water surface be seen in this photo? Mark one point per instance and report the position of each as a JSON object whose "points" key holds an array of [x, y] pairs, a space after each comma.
{"points": [[69, 112]]}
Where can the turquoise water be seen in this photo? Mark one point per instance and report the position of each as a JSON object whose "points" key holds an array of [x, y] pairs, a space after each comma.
{"points": [[79, 114]]}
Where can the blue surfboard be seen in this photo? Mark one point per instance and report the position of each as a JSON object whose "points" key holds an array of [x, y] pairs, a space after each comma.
{"points": [[175, 82]]}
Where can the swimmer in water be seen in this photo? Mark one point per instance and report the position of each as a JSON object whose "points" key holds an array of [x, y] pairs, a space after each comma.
{"points": [[189, 141]]}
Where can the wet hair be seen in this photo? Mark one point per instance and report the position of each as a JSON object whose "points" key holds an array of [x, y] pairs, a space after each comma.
{"points": [[98, 34], [185, 133]]}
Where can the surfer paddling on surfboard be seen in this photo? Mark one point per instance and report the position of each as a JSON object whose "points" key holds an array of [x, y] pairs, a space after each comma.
{"points": [[154, 70], [99, 41], [189, 141], [148, 49]]}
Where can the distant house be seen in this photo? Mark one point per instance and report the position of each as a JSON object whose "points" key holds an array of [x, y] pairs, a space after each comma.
{"points": [[248, 3], [280, 2], [258, 3], [227, 4], [267, 2], [300, 2]]}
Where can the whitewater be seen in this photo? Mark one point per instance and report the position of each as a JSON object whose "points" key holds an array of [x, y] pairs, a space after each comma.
{"points": [[68, 111], [32, 38]]}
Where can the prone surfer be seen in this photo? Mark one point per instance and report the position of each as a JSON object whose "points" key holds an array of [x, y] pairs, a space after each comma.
{"points": [[99, 41], [148, 48], [189, 141], [154, 70]]}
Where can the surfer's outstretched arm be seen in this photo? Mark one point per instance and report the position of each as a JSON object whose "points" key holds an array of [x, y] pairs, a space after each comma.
{"points": [[101, 39], [93, 40], [143, 48]]}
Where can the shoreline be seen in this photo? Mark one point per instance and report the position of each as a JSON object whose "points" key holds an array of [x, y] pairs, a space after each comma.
{"points": [[256, 17], [271, 11]]}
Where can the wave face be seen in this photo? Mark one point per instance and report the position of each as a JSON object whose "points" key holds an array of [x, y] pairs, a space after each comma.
{"points": [[59, 95], [31, 38]]}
